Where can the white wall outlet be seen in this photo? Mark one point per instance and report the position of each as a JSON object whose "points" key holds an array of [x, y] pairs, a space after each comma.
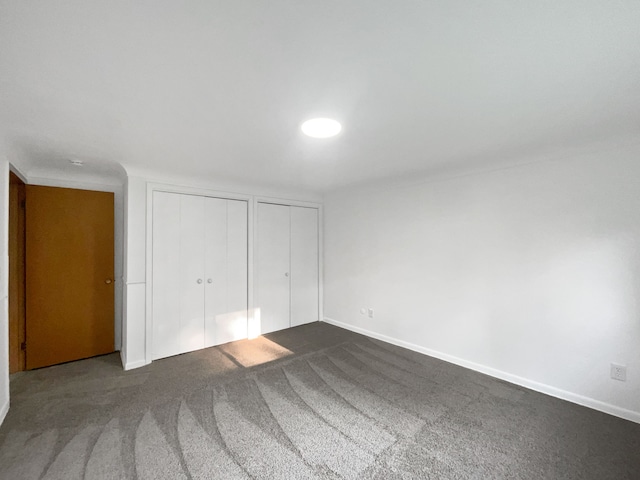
{"points": [[370, 311], [619, 372], [363, 311]]}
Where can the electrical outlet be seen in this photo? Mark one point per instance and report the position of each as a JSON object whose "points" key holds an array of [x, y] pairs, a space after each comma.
{"points": [[619, 372], [370, 311]]}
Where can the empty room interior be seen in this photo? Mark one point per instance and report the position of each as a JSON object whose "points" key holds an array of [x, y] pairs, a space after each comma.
{"points": [[330, 240]]}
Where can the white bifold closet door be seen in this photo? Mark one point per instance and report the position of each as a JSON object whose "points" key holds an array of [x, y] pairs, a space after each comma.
{"points": [[167, 281], [287, 269], [226, 256], [304, 266], [273, 266], [191, 290], [199, 272]]}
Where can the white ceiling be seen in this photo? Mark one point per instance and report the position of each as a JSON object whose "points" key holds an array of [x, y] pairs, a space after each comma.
{"points": [[218, 89]]}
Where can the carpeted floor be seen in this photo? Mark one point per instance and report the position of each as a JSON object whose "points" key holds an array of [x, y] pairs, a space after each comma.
{"points": [[310, 402]]}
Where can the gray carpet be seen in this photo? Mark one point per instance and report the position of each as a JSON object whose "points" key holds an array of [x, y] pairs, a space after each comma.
{"points": [[310, 402]]}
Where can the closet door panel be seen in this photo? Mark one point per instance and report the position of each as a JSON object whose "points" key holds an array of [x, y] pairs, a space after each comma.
{"points": [[166, 275], [273, 267], [304, 266], [233, 324], [215, 266], [192, 281]]}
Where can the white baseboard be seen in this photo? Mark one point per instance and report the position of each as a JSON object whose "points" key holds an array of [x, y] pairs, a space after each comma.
{"points": [[132, 365], [4, 410], [523, 382]]}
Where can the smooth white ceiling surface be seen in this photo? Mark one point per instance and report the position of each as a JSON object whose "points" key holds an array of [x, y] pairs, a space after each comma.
{"points": [[220, 88]]}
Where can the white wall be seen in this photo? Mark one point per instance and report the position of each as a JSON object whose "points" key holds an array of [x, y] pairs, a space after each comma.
{"points": [[134, 337], [4, 288], [530, 273]]}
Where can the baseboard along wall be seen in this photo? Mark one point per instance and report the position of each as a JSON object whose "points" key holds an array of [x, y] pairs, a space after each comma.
{"points": [[515, 379], [3, 411], [130, 365]]}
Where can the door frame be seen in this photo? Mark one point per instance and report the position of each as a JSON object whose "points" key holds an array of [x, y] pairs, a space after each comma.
{"points": [[202, 192], [17, 312], [295, 203]]}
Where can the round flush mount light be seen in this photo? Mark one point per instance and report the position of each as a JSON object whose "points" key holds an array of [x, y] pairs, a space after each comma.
{"points": [[321, 127]]}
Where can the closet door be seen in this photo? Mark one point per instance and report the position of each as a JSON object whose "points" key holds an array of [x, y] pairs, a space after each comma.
{"points": [[178, 274], [304, 265], [226, 271], [234, 323], [215, 266], [166, 274], [192, 247], [273, 267]]}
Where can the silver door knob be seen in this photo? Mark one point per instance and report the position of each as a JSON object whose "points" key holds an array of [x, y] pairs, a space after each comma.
{"points": [[209, 280], [199, 280], [286, 274], [108, 281]]}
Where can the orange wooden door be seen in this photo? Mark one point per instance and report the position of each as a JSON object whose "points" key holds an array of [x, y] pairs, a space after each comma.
{"points": [[69, 275]]}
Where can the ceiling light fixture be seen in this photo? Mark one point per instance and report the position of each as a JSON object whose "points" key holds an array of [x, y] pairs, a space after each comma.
{"points": [[321, 127]]}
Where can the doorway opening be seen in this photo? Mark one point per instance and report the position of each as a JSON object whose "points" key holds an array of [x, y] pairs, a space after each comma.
{"points": [[61, 274]]}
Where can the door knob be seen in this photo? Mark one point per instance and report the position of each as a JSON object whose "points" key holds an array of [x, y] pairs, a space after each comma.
{"points": [[108, 281], [209, 280], [286, 274], [199, 280]]}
